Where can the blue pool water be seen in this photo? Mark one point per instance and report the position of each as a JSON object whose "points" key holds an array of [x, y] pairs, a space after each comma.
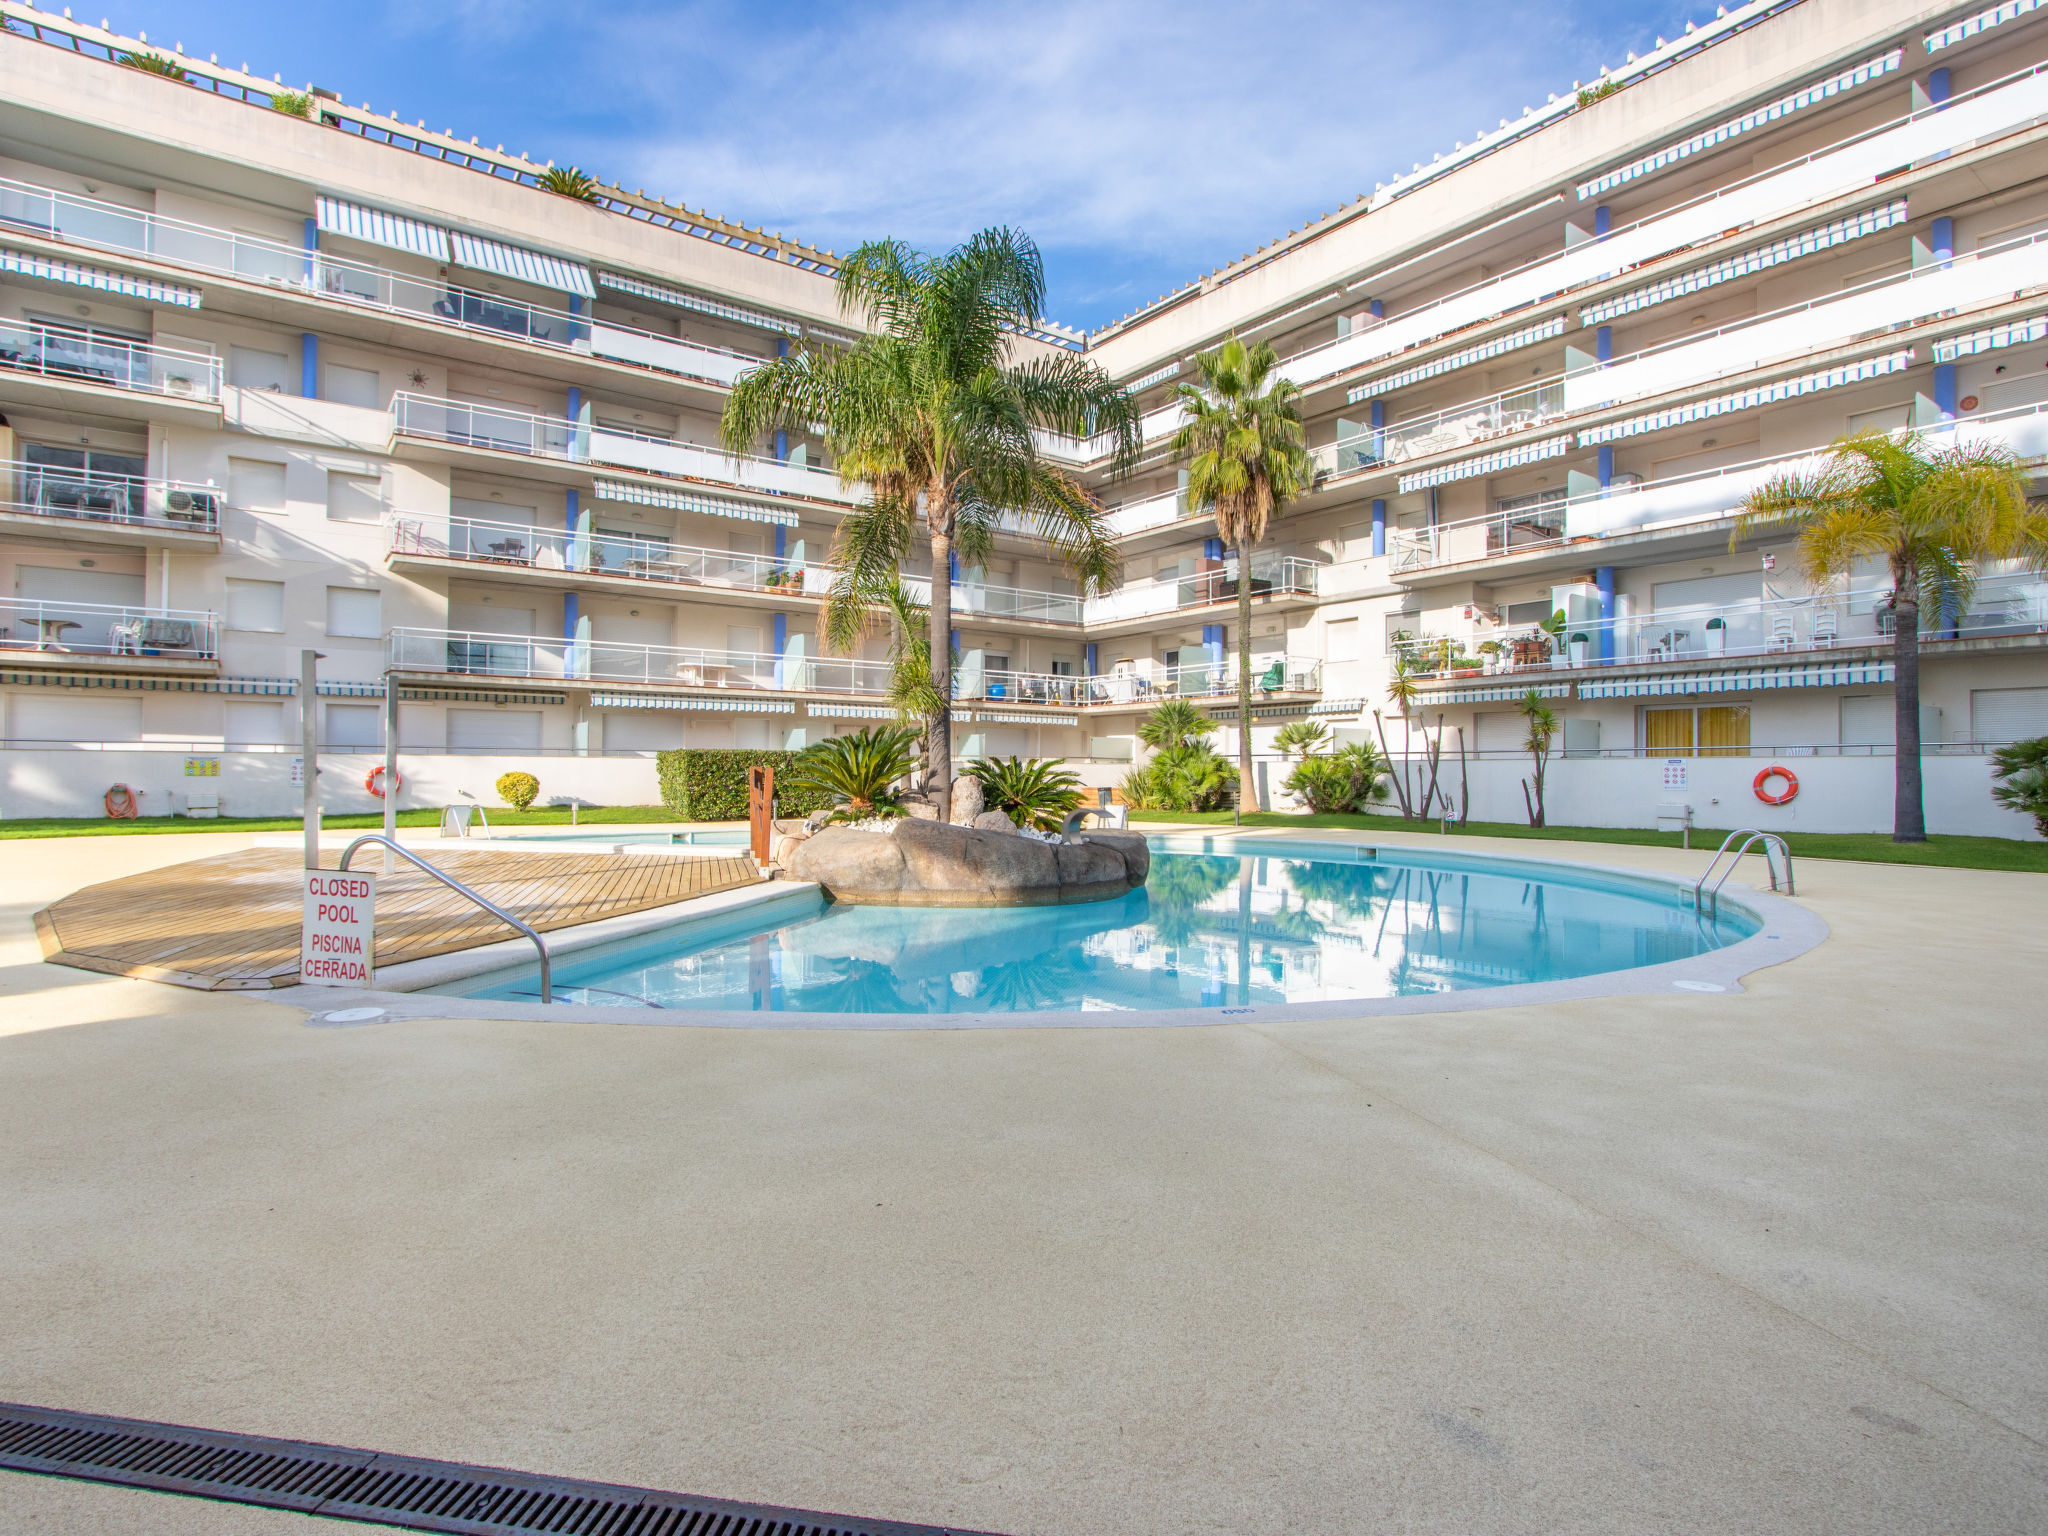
{"points": [[1292, 923]]}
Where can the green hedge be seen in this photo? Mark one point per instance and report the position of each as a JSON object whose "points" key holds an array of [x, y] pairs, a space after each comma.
{"points": [[711, 785]]}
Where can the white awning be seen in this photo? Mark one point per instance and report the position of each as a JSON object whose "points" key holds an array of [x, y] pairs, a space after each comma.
{"points": [[339, 689], [1791, 248], [273, 687], [722, 704], [1821, 674], [2014, 333], [1527, 336], [1748, 399], [998, 717], [1486, 464], [849, 712], [1337, 707], [634, 494], [391, 230], [662, 294], [1959, 31], [1500, 693], [477, 696], [522, 265], [54, 269]]}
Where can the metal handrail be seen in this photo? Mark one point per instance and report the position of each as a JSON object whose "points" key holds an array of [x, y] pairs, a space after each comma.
{"points": [[1750, 837], [547, 991], [1073, 821]]}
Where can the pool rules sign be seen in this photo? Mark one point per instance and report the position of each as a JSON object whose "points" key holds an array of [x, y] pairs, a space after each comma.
{"points": [[338, 932]]}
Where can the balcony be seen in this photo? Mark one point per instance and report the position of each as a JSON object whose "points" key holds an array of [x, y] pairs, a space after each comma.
{"points": [[1153, 512], [1274, 577], [78, 220], [465, 653], [44, 630], [83, 355], [416, 537], [1146, 682], [1446, 431], [973, 599], [102, 503]]}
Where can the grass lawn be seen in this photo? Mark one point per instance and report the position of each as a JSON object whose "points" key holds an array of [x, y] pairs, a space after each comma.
{"points": [[501, 819], [1868, 847]]}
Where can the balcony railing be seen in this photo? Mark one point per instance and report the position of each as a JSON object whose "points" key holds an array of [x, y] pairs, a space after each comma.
{"points": [[1150, 681], [107, 226], [601, 554], [82, 355], [2005, 603], [977, 599], [98, 629], [496, 427], [470, 653], [117, 500], [1272, 576], [1152, 512], [1446, 431]]}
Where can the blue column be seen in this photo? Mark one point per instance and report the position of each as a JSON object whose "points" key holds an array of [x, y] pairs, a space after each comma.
{"points": [[309, 366], [781, 633], [781, 434], [1945, 391], [1606, 465], [1372, 307], [1943, 239], [1603, 344], [576, 310], [1212, 642], [575, 402], [1937, 85], [953, 563], [1379, 527], [579, 533], [312, 245], [1604, 579], [1094, 666], [781, 541], [1376, 418], [1212, 549], [571, 605]]}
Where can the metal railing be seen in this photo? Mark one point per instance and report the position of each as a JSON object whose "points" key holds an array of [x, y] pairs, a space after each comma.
{"points": [[1446, 431], [86, 495], [476, 654], [981, 600], [83, 355], [390, 845], [1150, 681], [101, 629], [598, 553], [502, 428], [1711, 897], [1273, 575]]}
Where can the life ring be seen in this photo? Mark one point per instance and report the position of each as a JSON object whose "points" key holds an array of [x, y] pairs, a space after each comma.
{"points": [[1789, 792], [120, 802], [372, 778]]}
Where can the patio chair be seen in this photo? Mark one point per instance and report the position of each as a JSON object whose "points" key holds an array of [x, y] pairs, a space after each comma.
{"points": [[1784, 634], [1825, 627]]}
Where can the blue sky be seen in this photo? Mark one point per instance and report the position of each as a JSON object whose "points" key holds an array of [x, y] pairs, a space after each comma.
{"points": [[1140, 143]]}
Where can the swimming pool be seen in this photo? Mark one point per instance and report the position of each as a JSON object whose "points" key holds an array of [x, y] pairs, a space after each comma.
{"points": [[1284, 923]]}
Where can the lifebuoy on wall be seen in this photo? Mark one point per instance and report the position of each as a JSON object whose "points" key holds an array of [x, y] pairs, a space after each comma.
{"points": [[1789, 792], [121, 803], [374, 781]]}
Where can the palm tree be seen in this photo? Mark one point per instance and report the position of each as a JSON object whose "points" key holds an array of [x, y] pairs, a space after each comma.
{"points": [[1934, 515], [1175, 723], [1247, 460], [569, 181], [911, 695], [1302, 736], [933, 414]]}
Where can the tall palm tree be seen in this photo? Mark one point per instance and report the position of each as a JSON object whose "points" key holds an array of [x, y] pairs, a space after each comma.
{"points": [[1934, 515], [1247, 459], [932, 412]]}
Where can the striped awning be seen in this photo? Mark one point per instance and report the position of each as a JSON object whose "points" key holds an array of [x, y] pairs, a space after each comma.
{"points": [[724, 704], [675, 500], [1820, 674], [522, 265], [274, 687], [339, 689], [391, 230], [1501, 693], [476, 696], [1958, 31], [1791, 248], [1226, 714], [1735, 127], [1527, 336], [2014, 333], [1337, 707], [1486, 464], [1749, 399], [999, 717], [55, 270], [662, 294], [849, 712]]}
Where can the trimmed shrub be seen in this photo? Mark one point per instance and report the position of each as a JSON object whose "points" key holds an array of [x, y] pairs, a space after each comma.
{"points": [[710, 784], [517, 789]]}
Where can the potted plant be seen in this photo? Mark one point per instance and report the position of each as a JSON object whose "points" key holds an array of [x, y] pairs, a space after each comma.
{"points": [[1717, 636], [1491, 651], [1581, 643], [1553, 638]]}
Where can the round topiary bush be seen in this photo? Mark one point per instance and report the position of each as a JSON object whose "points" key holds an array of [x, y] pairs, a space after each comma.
{"points": [[518, 789]]}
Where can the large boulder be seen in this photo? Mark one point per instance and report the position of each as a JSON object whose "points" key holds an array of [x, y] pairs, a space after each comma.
{"points": [[932, 864], [967, 801], [992, 821]]}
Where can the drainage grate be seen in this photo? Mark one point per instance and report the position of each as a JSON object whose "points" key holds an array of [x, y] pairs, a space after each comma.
{"points": [[405, 1491]]}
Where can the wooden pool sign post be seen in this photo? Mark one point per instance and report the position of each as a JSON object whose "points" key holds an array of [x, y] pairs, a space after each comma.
{"points": [[338, 932], [760, 808]]}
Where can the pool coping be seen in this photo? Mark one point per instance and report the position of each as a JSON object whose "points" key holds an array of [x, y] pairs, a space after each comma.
{"points": [[1786, 932]]}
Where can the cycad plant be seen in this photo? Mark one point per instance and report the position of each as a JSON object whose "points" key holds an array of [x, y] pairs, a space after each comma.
{"points": [[2021, 769], [1302, 737], [860, 771], [1934, 515], [932, 413], [1033, 792], [1247, 459], [154, 64], [568, 181], [1347, 780]]}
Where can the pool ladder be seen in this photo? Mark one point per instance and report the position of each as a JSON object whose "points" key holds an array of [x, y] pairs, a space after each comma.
{"points": [[1707, 899], [547, 991]]}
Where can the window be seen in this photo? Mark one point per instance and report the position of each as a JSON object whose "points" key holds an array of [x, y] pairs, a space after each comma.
{"points": [[353, 386], [493, 730], [35, 717], [355, 613], [1341, 636], [256, 605], [2008, 714], [256, 485], [1519, 614], [354, 498], [354, 725], [250, 368], [1712, 730], [254, 723], [1868, 720]]}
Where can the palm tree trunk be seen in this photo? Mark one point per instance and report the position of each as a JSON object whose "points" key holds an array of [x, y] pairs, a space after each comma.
{"points": [[1247, 787], [939, 765], [1909, 816]]}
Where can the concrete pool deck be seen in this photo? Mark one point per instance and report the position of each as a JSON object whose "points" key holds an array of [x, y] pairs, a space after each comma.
{"points": [[1767, 1261]]}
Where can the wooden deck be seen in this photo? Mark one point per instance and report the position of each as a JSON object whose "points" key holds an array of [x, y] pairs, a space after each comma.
{"points": [[231, 923]]}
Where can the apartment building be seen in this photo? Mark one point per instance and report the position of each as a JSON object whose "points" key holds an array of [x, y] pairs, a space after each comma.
{"points": [[348, 384]]}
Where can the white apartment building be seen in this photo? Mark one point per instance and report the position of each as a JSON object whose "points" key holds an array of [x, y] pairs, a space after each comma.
{"points": [[350, 384]]}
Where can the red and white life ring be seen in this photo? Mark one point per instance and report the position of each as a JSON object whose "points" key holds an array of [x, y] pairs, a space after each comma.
{"points": [[373, 781], [1788, 793]]}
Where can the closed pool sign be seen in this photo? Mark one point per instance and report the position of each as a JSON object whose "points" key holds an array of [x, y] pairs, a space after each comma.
{"points": [[337, 935]]}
